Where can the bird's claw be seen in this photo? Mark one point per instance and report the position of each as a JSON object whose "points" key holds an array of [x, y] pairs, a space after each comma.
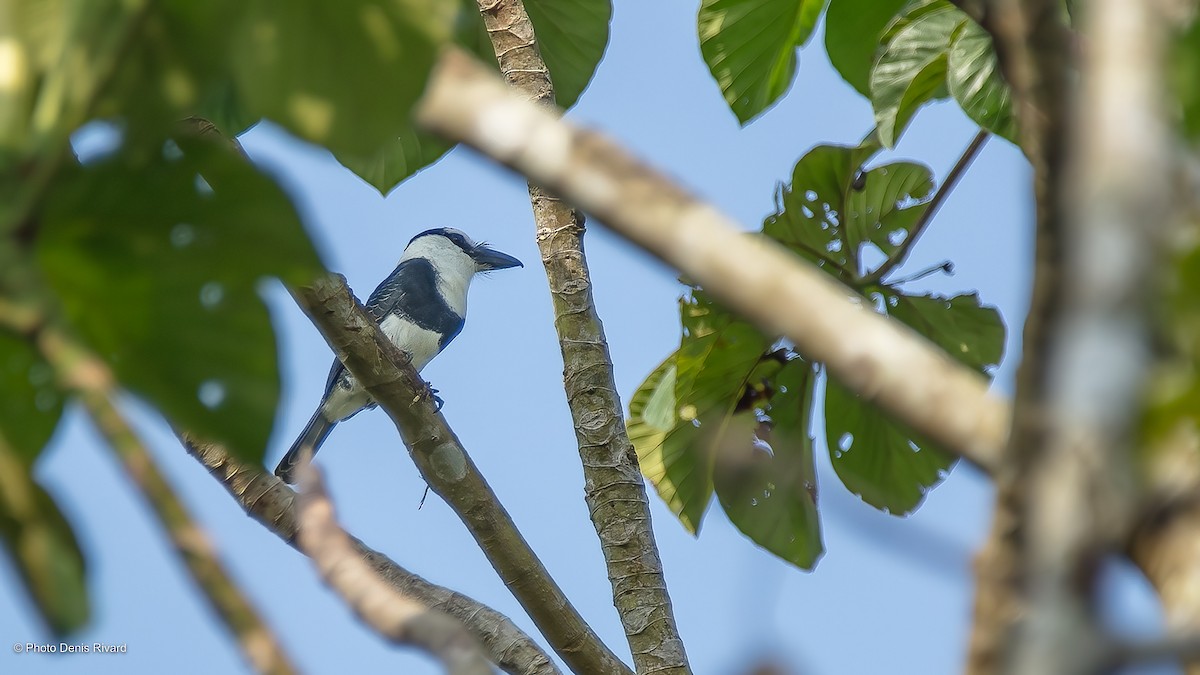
{"points": [[431, 394]]}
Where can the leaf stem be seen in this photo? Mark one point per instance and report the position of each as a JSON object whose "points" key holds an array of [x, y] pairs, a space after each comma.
{"points": [[901, 254]]}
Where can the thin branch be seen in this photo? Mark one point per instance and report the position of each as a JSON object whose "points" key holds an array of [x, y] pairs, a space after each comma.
{"points": [[613, 485], [268, 500], [91, 379], [400, 618], [385, 371], [960, 167], [874, 356]]}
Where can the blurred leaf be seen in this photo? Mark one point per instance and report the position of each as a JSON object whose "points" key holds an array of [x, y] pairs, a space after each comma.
{"points": [[42, 545], [750, 48], [30, 402], [572, 36], [160, 274], [1185, 77], [973, 78], [397, 159], [969, 332], [876, 458], [852, 37], [832, 208], [911, 70], [344, 75], [772, 496], [679, 417]]}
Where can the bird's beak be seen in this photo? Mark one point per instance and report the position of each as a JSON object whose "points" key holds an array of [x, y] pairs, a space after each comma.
{"points": [[490, 259]]}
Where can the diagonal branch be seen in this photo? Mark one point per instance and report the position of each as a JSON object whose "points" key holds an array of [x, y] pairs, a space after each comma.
{"points": [[90, 379], [272, 503], [400, 618], [874, 356], [613, 485], [385, 371]]}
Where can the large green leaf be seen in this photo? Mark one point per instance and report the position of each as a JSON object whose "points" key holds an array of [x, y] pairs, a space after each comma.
{"points": [[30, 402], [911, 70], [572, 36], [973, 78], [750, 48], [833, 208], [969, 331], [345, 74], [1185, 77], [160, 273], [681, 416], [852, 37], [42, 545], [772, 496]]}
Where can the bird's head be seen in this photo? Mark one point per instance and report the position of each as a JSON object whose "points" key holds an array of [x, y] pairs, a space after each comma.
{"points": [[448, 247]]}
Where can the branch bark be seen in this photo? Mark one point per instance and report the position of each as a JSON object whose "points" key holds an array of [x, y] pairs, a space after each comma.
{"points": [[92, 381], [400, 618], [385, 371], [613, 485], [879, 358], [268, 500]]}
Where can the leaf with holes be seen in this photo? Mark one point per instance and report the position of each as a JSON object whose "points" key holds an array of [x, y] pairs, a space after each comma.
{"points": [[30, 401], [157, 262], [572, 36], [970, 332], [853, 29], [750, 48], [833, 209], [973, 78], [878, 459], [911, 69], [42, 545], [772, 496], [681, 416]]}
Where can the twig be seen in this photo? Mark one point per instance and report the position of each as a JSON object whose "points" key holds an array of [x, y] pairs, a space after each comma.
{"points": [[874, 356], [400, 618], [268, 500], [901, 254], [613, 485], [384, 370], [91, 379]]}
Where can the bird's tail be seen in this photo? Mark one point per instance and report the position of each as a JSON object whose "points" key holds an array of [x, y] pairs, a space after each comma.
{"points": [[308, 442]]}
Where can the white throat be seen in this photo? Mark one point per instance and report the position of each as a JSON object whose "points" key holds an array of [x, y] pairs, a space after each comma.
{"points": [[453, 266]]}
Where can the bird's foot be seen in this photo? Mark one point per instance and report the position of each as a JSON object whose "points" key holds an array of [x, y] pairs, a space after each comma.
{"points": [[429, 393]]}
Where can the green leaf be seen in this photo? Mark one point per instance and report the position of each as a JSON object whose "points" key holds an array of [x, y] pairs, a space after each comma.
{"points": [[911, 70], [832, 209], [572, 36], [397, 159], [42, 545], [973, 78], [750, 48], [30, 401], [344, 75], [1185, 77], [680, 417], [160, 274], [878, 459], [772, 496], [852, 37], [970, 332]]}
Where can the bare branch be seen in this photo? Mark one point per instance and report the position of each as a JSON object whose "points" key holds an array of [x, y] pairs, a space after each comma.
{"points": [[93, 382], [272, 503], [398, 617], [384, 370], [876, 357], [613, 485]]}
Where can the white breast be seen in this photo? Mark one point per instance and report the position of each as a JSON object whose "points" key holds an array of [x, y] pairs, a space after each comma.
{"points": [[421, 344]]}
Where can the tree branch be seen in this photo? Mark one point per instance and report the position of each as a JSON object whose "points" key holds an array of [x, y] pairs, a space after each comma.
{"points": [[613, 485], [92, 381], [901, 254], [400, 618], [384, 370], [268, 500], [874, 356]]}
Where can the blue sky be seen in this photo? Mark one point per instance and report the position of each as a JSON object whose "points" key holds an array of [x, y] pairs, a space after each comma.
{"points": [[891, 595]]}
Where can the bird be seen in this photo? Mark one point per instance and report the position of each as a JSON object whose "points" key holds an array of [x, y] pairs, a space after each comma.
{"points": [[421, 306]]}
